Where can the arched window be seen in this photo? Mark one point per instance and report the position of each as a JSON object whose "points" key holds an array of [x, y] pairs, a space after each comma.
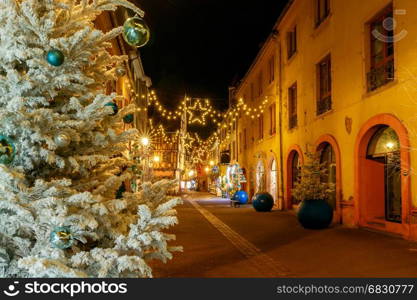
{"points": [[328, 157], [273, 179], [295, 171], [384, 141], [260, 177]]}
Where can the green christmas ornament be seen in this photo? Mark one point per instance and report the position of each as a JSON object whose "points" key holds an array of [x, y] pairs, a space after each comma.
{"points": [[114, 106], [55, 57], [61, 237], [128, 119], [135, 32], [7, 150]]}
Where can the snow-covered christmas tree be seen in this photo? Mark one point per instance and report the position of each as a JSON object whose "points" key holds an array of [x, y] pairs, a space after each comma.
{"points": [[60, 155]]}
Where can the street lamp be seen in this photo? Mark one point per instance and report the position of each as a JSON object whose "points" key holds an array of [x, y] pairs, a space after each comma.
{"points": [[390, 145]]}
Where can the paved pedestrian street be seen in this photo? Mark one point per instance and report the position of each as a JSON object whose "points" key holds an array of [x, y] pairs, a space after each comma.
{"points": [[221, 241]]}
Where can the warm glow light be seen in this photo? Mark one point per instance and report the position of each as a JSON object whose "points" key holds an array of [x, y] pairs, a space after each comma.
{"points": [[211, 163], [207, 169], [390, 145], [156, 159], [144, 141], [191, 173]]}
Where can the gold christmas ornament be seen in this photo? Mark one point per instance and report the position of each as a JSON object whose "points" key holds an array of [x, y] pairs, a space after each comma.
{"points": [[62, 140], [120, 71]]}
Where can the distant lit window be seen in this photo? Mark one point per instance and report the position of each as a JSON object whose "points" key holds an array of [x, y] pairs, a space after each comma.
{"points": [[240, 143], [322, 11], [381, 50], [260, 84], [292, 106], [272, 119], [292, 42], [245, 139], [324, 78], [271, 69], [261, 126]]}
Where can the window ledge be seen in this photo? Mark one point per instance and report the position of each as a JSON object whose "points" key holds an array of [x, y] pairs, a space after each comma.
{"points": [[323, 115], [271, 136], [320, 27], [295, 128], [291, 58], [381, 89]]}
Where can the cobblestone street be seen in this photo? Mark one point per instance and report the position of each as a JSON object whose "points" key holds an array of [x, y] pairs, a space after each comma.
{"points": [[220, 241]]}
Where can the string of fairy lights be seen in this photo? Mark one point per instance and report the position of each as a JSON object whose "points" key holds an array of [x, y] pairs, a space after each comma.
{"points": [[199, 111]]}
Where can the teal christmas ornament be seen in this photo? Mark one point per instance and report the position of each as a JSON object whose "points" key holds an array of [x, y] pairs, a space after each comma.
{"points": [[114, 106], [128, 119], [55, 57], [135, 32], [121, 191], [7, 150], [61, 237]]}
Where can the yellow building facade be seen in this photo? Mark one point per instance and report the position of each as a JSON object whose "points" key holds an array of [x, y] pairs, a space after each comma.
{"points": [[258, 150], [344, 88]]}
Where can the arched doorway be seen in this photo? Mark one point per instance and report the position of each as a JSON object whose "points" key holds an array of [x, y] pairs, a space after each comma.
{"points": [[328, 158], [383, 163], [260, 177], [245, 182], [294, 162], [329, 152], [273, 184], [382, 175]]}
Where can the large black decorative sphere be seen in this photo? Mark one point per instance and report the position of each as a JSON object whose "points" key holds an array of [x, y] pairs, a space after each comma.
{"points": [[114, 106], [135, 32], [315, 214], [263, 202], [55, 57]]}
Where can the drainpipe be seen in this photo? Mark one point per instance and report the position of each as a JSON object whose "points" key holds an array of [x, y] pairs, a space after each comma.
{"points": [[280, 118]]}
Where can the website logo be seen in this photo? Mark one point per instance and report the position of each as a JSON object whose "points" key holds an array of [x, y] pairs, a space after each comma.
{"points": [[12, 290], [390, 24]]}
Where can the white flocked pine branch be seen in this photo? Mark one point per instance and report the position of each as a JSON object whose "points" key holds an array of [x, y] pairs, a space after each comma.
{"points": [[47, 186]]}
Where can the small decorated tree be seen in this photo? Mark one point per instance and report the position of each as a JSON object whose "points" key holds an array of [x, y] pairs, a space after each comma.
{"points": [[311, 184], [62, 157], [314, 190]]}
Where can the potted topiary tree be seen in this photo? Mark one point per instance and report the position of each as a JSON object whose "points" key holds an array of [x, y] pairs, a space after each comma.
{"points": [[314, 191]]}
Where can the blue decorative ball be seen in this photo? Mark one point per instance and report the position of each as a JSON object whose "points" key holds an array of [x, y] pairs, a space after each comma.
{"points": [[135, 32], [241, 196], [114, 106], [61, 237], [128, 118], [55, 57], [263, 202], [7, 150], [315, 214]]}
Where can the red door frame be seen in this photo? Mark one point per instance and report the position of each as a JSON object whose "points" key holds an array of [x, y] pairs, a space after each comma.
{"points": [[361, 145], [329, 139], [290, 156]]}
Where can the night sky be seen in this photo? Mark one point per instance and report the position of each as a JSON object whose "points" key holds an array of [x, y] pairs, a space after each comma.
{"points": [[199, 47]]}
